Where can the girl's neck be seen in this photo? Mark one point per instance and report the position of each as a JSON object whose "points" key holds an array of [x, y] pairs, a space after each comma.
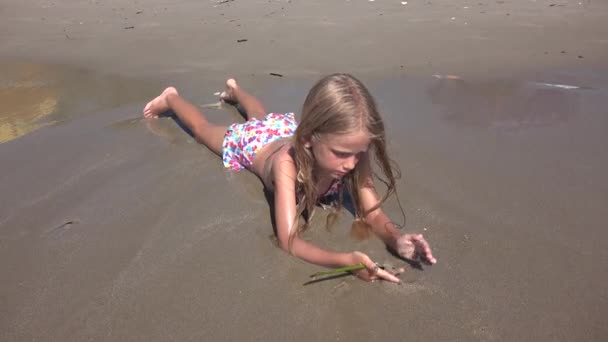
{"points": [[323, 182], [320, 177]]}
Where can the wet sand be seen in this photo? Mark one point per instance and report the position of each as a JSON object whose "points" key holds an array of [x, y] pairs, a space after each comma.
{"points": [[117, 228]]}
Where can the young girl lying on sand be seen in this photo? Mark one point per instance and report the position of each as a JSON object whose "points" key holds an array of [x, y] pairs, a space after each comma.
{"points": [[324, 155]]}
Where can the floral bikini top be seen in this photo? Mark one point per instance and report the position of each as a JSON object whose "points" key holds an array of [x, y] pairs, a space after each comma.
{"points": [[335, 188], [332, 195]]}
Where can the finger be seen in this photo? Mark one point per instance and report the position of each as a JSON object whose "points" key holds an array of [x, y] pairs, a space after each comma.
{"points": [[430, 259], [424, 248], [365, 276], [371, 266], [399, 271], [425, 252], [383, 274]]}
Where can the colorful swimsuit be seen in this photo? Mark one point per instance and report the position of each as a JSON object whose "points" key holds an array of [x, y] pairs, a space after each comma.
{"points": [[242, 141]]}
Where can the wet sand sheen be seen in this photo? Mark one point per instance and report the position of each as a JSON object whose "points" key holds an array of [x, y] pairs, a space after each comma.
{"points": [[113, 227], [35, 95], [26, 99], [499, 210]]}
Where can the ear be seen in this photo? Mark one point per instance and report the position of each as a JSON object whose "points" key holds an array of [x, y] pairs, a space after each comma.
{"points": [[306, 142]]}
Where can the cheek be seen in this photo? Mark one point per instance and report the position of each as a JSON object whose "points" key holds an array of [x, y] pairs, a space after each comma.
{"points": [[333, 162], [325, 158]]}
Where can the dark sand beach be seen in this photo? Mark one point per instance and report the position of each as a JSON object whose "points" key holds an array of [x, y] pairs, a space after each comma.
{"points": [[116, 228]]}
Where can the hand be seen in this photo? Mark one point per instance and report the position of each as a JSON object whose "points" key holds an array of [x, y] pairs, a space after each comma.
{"points": [[414, 247], [372, 271]]}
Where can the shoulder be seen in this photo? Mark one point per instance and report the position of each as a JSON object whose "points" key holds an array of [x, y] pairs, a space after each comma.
{"points": [[284, 174], [284, 167]]}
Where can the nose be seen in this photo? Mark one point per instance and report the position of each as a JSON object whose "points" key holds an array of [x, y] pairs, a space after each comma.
{"points": [[351, 162]]}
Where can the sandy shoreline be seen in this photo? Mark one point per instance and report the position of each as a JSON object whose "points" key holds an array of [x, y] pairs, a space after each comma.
{"points": [[114, 228], [306, 38]]}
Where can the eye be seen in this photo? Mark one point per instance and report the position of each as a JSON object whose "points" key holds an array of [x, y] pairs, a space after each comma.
{"points": [[342, 154]]}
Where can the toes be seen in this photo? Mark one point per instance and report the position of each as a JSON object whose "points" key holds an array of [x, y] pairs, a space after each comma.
{"points": [[147, 110], [231, 83], [224, 97], [227, 97]]}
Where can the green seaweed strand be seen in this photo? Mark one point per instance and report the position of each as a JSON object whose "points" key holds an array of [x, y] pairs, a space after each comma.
{"points": [[337, 271]]}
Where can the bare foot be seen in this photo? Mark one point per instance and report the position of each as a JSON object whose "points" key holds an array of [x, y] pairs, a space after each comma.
{"points": [[159, 105], [228, 95]]}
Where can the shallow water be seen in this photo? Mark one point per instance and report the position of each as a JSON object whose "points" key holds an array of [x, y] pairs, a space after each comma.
{"points": [[34, 95], [508, 177], [504, 105], [27, 97]]}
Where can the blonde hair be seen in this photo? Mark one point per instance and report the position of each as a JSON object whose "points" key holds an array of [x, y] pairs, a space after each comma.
{"points": [[339, 104]]}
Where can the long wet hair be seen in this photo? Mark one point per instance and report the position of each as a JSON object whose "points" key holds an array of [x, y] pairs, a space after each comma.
{"points": [[339, 104]]}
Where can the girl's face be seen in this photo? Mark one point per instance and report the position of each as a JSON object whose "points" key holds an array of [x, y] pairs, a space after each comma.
{"points": [[336, 155]]}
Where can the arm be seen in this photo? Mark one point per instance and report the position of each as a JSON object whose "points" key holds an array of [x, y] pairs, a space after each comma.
{"points": [[409, 246], [285, 211], [284, 175]]}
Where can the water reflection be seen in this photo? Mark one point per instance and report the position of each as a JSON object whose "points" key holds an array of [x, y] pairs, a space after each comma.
{"points": [[34, 95], [26, 97], [504, 105]]}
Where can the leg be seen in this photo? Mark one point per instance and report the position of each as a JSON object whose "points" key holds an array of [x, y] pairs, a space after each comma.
{"points": [[234, 94], [204, 132]]}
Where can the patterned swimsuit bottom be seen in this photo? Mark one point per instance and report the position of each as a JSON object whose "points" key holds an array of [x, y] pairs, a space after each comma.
{"points": [[243, 140]]}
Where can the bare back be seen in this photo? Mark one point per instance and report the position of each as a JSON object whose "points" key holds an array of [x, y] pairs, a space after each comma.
{"points": [[265, 160], [277, 156]]}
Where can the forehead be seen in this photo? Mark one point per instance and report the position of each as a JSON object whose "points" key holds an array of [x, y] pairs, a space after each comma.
{"points": [[357, 141]]}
